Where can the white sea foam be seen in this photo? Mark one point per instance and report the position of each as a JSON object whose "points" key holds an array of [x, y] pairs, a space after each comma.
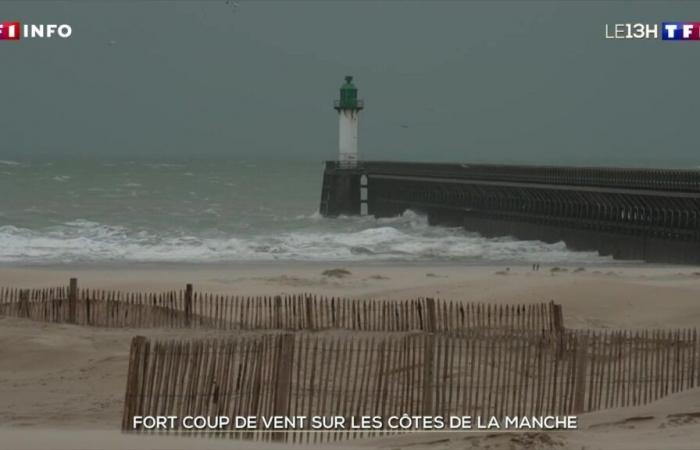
{"points": [[407, 238], [5, 162], [163, 165]]}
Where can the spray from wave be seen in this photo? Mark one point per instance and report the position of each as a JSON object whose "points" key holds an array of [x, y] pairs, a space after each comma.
{"points": [[404, 238]]}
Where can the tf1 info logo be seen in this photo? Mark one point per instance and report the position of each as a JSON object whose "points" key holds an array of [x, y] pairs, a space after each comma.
{"points": [[667, 31], [13, 31]]}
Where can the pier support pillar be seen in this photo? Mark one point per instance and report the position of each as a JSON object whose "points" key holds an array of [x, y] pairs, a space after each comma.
{"points": [[341, 192]]}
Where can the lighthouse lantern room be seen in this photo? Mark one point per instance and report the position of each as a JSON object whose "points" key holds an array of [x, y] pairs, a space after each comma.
{"points": [[348, 108]]}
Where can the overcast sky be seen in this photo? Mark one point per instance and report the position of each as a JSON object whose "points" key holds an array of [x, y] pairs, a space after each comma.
{"points": [[501, 81]]}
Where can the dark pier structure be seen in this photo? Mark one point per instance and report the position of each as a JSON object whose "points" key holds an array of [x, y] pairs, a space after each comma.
{"points": [[634, 214]]}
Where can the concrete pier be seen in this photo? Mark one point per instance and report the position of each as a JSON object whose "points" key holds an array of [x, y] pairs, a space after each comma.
{"points": [[632, 214]]}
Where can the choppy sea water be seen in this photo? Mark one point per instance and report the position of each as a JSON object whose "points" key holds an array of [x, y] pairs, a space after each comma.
{"points": [[224, 211]]}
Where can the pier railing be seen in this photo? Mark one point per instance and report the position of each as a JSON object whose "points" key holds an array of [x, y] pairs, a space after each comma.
{"points": [[627, 213], [679, 180]]}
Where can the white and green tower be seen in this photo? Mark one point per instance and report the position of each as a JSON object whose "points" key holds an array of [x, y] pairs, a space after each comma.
{"points": [[348, 108]]}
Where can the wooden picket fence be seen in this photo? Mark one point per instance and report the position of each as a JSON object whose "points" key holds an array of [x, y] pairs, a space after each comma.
{"points": [[477, 373], [188, 308]]}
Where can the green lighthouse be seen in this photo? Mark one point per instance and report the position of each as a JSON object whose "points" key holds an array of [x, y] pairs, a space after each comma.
{"points": [[348, 107], [348, 96]]}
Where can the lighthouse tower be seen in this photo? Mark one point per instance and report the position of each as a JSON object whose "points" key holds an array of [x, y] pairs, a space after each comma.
{"points": [[348, 108]]}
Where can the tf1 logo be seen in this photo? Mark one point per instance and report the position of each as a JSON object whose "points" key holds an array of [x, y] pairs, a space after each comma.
{"points": [[9, 31], [680, 31], [13, 31], [667, 31]]}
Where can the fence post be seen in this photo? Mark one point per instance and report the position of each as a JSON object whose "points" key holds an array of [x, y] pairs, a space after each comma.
{"points": [[188, 305], [558, 325], [428, 374], [24, 303], [72, 300], [557, 317], [283, 378], [580, 381], [310, 323], [431, 316], [278, 312], [132, 382], [87, 307]]}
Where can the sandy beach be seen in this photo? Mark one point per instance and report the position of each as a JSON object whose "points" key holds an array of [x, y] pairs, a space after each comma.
{"points": [[616, 295], [62, 386]]}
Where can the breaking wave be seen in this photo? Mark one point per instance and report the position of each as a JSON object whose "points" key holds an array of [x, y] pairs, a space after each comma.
{"points": [[405, 238]]}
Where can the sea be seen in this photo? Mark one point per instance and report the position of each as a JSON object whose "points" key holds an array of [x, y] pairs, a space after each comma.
{"points": [[80, 211]]}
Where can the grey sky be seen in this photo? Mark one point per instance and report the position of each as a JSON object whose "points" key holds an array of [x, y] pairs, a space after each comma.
{"points": [[462, 80]]}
